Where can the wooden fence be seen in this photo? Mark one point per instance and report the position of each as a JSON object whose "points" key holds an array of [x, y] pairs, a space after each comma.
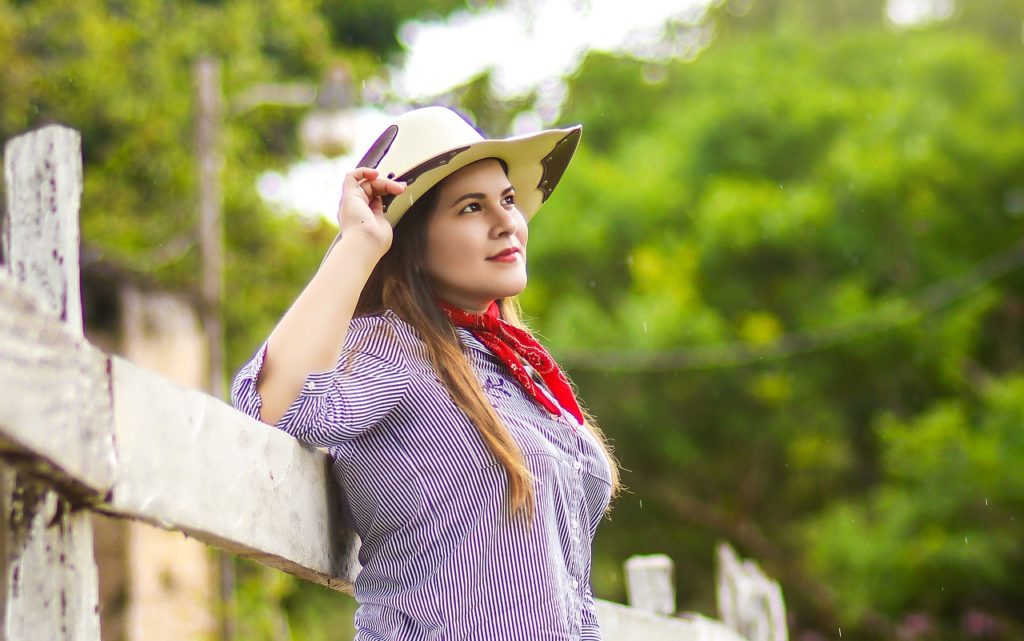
{"points": [[84, 431]]}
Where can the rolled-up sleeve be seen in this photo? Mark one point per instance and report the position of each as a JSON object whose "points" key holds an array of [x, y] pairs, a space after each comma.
{"points": [[337, 405]]}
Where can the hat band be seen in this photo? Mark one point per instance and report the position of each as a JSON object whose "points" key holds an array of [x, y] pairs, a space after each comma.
{"points": [[410, 176]]}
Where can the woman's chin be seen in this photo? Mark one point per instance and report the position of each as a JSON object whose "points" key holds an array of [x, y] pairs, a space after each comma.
{"points": [[513, 289]]}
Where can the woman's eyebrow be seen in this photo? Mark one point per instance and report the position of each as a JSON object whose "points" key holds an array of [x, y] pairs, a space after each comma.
{"points": [[465, 196], [477, 194]]}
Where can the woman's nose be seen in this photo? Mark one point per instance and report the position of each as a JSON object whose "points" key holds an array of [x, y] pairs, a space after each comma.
{"points": [[507, 221]]}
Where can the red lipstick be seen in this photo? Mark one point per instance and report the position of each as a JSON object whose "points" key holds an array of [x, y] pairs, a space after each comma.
{"points": [[509, 255]]}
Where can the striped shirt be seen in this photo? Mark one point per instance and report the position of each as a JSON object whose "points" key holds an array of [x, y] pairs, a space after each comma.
{"points": [[441, 558]]}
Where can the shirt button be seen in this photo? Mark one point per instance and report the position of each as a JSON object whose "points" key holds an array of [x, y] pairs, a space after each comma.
{"points": [[575, 584], [577, 465], [574, 523], [310, 386]]}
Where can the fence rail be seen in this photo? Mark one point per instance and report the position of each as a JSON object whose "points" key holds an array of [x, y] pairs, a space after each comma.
{"points": [[81, 430]]}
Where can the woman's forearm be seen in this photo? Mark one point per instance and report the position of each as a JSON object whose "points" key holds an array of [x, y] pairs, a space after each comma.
{"points": [[310, 336]]}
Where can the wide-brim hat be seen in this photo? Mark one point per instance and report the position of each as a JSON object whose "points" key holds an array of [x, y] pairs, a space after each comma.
{"points": [[424, 146]]}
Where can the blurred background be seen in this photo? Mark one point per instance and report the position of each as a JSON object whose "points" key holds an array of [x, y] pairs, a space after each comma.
{"points": [[785, 269]]}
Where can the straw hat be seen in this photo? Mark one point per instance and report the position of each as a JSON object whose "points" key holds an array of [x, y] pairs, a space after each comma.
{"points": [[422, 147]]}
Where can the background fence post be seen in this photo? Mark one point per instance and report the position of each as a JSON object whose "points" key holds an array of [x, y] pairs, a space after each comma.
{"points": [[650, 584], [749, 601], [48, 573]]}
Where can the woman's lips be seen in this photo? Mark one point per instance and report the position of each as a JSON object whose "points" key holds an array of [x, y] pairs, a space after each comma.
{"points": [[507, 256]]}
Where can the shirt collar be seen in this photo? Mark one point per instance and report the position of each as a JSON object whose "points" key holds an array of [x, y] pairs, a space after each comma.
{"points": [[473, 342]]}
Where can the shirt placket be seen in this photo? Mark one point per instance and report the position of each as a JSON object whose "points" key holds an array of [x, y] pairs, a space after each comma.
{"points": [[574, 464], [573, 460], [576, 540]]}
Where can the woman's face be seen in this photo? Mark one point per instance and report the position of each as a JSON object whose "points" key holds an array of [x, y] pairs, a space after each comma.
{"points": [[476, 238]]}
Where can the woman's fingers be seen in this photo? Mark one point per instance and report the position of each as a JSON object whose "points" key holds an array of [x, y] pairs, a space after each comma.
{"points": [[355, 183], [364, 188], [370, 181], [381, 186], [395, 187]]}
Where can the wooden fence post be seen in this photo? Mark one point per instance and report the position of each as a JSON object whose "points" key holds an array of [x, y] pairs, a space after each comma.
{"points": [[749, 601], [650, 584], [48, 579]]}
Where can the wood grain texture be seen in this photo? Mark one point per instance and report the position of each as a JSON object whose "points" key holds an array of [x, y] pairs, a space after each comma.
{"points": [[189, 462], [173, 457], [50, 591], [56, 407], [43, 178]]}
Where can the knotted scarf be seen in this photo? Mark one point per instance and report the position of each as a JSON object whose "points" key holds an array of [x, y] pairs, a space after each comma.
{"points": [[508, 343]]}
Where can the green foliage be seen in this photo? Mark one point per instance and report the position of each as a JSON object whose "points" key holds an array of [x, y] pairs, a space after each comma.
{"points": [[273, 605], [809, 17], [945, 515], [788, 251], [122, 75], [490, 113], [375, 26]]}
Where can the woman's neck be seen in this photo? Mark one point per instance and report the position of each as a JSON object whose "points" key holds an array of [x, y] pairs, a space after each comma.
{"points": [[470, 308]]}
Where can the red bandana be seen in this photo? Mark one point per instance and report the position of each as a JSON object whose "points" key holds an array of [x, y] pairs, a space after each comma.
{"points": [[508, 343]]}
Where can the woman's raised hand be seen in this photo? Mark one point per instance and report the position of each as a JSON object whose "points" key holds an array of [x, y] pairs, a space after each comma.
{"points": [[361, 212]]}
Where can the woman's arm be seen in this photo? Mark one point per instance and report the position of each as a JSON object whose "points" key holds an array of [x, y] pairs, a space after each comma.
{"points": [[310, 336]]}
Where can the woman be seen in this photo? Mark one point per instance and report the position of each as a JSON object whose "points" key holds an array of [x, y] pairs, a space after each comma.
{"points": [[466, 465]]}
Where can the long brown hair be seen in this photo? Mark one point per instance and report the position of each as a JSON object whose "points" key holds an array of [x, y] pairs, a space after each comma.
{"points": [[400, 283]]}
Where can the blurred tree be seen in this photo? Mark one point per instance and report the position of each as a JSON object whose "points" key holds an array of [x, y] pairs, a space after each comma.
{"points": [[121, 74], [1002, 20], [934, 539], [788, 239], [808, 16], [375, 26], [491, 112]]}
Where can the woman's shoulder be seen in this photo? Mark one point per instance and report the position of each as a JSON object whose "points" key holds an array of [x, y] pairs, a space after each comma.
{"points": [[381, 331], [383, 321]]}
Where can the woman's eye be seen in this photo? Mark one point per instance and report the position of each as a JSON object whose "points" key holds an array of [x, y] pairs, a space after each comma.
{"points": [[470, 207], [509, 199]]}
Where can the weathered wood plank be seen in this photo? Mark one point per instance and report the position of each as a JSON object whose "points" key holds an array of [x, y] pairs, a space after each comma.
{"points": [[623, 623], [189, 462], [184, 460], [56, 409]]}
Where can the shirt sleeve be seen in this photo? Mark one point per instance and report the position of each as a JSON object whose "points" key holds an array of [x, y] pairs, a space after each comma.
{"points": [[368, 382]]}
